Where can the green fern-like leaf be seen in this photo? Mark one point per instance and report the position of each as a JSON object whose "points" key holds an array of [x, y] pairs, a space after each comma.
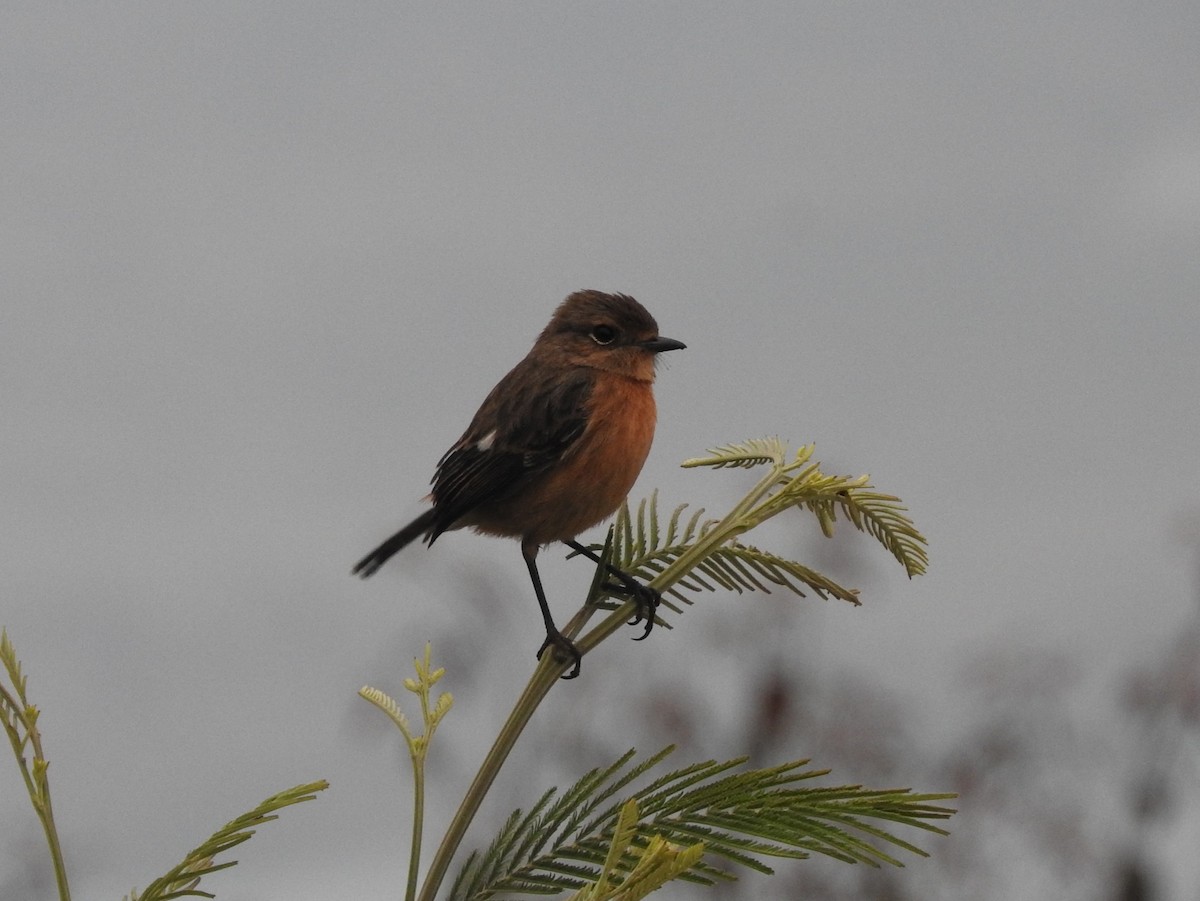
{"points": [[744, 455], [882, 516], [525, 835], [183, 881], [690, 553], [642, 547], [747, 568], [740, 816]]}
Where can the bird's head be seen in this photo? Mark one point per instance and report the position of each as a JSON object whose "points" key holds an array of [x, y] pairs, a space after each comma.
{"points": [[606, 331]]}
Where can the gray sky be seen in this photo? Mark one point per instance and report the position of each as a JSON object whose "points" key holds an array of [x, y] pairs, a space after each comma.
{"points": [[261, 262]]}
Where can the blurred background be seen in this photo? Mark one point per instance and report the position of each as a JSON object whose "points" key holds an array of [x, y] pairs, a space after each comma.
{"points": [[262, 261]]}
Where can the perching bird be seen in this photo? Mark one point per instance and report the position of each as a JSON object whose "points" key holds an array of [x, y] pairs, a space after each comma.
{"points": [[556, 446]]}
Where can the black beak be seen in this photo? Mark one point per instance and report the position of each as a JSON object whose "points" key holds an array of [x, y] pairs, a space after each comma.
{"points": [[658, 345]]}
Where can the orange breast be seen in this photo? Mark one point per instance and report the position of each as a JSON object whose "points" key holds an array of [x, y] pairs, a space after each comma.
{"points": [[597, 474]]}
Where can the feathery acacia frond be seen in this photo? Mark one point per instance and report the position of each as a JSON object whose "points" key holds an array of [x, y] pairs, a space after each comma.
{"points": [[745, 454], [690, 554], [183, 880], [882, 516], [739, 815], [642, 547]]}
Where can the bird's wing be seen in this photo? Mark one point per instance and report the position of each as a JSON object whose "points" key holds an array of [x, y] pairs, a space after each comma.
{"points": [[529, 422]]}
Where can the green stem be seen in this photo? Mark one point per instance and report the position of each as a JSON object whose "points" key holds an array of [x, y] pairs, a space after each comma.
{"points": [[765, 484], [414, 858], [544, 677], [56, 855], [45, 812], [36, 782]]}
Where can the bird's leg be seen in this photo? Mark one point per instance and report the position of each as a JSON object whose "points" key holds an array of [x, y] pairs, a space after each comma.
{"points": [[646, 598], [560, 642]]}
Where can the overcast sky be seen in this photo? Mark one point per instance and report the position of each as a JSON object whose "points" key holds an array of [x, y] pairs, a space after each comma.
{"points": [[261, 262]]}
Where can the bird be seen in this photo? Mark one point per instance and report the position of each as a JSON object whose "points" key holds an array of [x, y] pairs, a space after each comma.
{"points": [[554, 448]]}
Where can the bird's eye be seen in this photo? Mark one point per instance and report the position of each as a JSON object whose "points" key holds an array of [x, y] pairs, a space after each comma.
{"points": [[604, 334]]}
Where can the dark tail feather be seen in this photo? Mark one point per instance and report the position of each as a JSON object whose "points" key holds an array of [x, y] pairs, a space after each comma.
{"points": [[370, 564]]}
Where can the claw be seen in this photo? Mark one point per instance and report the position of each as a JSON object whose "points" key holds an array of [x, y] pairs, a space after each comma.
{"points": [[647, 599], [564, 650]]}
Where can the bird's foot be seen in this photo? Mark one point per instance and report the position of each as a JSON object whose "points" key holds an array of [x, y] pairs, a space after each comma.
{"points": [[646, 598], [564, 652]]}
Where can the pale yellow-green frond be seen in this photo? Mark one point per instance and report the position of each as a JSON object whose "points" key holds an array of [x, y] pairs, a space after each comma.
{"points": [[388, 705], [635, 867], [754, 452], [12, 666], [883, 517]]}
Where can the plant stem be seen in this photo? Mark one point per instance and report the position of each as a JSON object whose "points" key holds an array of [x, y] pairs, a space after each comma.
{"points": [[414, 857], [36, 782], [45, 811], [543, 679], [60, 866]]}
